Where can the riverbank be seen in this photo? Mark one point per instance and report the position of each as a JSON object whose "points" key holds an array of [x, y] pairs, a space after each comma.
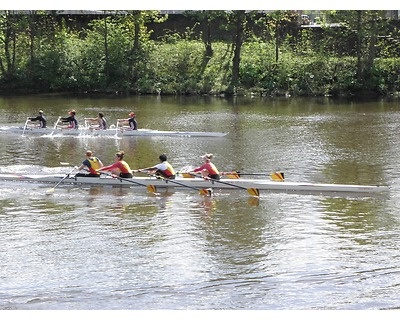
{"points": [[181, 68]]}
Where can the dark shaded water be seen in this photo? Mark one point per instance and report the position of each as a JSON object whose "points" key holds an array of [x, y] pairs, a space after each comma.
{"points": [[112, 248]]}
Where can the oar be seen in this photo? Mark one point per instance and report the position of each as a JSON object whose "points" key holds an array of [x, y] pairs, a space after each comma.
{"points": [[203, 192], [56, 124], [276, 176], [150, 187], [58, 183], [251, 191], [116, 129], [26, 123]]}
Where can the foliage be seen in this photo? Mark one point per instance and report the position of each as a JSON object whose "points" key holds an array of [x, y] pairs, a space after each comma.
{"points": [[267, 54], [176, 67]]}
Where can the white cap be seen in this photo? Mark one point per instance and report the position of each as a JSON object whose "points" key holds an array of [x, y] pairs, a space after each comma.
{"points": [[207, 156]]}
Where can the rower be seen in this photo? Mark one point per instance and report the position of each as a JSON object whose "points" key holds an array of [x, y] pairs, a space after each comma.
{"points": [[131, 121], [119, 168], [41, 118], [163, 169], [208, 169], [100, 122], [92, 164], [71, 120]]}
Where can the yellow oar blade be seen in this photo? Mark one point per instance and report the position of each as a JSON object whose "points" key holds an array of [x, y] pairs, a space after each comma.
{"points": [[187, 175], [253, 192], [232, 176], [151, 188], [50, 191], [206, 192], [277, 176]]}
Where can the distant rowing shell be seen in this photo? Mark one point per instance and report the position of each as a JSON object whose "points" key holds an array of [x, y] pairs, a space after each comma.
{"points": [[109, 132], [261, 184]]}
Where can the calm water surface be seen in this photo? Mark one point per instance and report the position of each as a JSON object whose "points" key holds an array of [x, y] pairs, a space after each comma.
{"points": [[124, 248]]}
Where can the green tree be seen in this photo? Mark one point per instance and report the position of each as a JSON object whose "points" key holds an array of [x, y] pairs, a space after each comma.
{"points": [[138, 35], [105, 46], [366, 25], [9, 32]]}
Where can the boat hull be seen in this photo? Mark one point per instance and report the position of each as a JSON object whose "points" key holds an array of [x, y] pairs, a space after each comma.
{"points": [[108, 132], [198, 183]]}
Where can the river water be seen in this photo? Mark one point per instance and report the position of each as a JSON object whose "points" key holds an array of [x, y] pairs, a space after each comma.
{"points": [[124, 248]]}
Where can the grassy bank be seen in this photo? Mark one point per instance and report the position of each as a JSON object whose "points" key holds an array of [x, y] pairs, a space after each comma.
{"points": [[181, 68]]}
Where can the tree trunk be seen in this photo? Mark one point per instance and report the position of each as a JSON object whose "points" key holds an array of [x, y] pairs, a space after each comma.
{"points": [[372, 45], [207, 37], [238, 47], [276, 42], [107, 58], [32, 38], [359, 51]]}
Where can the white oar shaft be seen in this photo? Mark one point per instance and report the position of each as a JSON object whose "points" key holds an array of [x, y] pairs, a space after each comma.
{"points": [[59, 182], [56, 124], [26, 123], [116, 130]]}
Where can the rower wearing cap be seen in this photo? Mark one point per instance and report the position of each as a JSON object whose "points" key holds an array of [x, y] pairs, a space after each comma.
{"points": [[71, 120], [208, 169], [131, 121], [41, 118], [163, 169]]}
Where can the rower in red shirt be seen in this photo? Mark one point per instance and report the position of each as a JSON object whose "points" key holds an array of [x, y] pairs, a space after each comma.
{"points": [[208, 169], [119, 168]]}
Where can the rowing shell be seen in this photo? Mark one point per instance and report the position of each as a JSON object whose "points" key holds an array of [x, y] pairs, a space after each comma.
{"points": [[199, 183], [109, 132]]}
